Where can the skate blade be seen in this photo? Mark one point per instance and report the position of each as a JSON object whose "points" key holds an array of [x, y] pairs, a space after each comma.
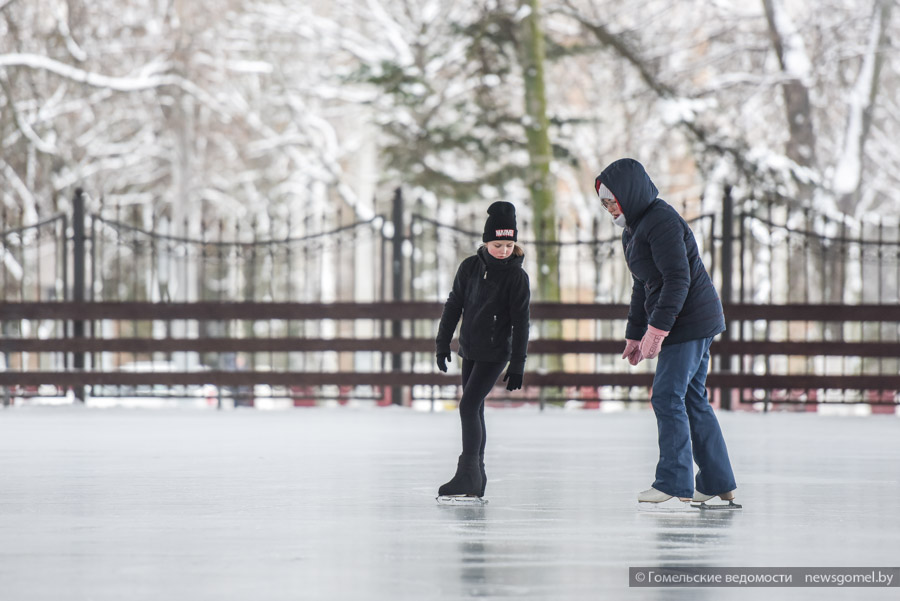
{"points": [[673, 505], [461, 500], [719, 506]]}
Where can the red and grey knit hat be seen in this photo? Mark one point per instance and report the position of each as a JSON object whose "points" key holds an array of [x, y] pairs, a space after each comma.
{"points": [[602, 191]]}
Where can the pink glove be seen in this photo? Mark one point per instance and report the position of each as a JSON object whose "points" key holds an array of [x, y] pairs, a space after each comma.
{"points": [[632, 351], [652, 341]]}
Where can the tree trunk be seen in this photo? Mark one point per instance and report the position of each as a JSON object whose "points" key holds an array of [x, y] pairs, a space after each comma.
{"points": [[539, 181], [800, 147]]}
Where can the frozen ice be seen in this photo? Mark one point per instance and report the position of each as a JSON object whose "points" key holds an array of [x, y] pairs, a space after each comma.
{"points": [[113, 504]]}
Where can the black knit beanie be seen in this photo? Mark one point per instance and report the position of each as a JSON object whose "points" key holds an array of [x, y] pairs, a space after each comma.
{"points": [[501, 222]]}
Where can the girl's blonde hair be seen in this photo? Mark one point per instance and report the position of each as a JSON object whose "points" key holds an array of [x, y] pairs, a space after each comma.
{"points": [[518, 251]]}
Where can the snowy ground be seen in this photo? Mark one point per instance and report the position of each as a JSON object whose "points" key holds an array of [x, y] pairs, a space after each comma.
{"points": [[339, 504]]}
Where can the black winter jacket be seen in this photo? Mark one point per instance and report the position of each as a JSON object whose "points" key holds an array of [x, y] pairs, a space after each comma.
{"points": [[493, 297], [671, 289]]}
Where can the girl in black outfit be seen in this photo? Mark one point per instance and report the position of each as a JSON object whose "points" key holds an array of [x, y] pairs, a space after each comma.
{"points": [[491, 292]]}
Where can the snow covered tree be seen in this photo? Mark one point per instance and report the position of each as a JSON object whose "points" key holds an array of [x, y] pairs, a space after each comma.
{"points": [[201, 105], [185, 112]]}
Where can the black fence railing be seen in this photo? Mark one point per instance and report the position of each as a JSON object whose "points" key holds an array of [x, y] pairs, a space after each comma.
{"points": [[814, 280], [757, 250]]}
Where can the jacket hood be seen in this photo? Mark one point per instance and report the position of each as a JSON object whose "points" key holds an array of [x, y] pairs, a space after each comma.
{"points": [[499, 264], [634, 190]]}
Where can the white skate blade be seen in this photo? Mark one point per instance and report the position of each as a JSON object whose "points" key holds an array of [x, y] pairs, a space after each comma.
{"points": [[673, 505], [461, 500], [717, 504]]}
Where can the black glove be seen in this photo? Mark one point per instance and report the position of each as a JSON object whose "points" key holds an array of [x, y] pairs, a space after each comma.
{"points": [[515, 380], [442, 359]]}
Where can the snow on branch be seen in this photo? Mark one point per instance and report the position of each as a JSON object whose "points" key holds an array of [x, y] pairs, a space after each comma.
{"points": [[146, 81], [23, 126], [29, 202], [848, 170], [393, 31], [791, 49], [62, 24]]}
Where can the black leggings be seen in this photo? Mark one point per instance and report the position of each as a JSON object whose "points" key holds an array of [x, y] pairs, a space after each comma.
{"points": [[478, 378]]}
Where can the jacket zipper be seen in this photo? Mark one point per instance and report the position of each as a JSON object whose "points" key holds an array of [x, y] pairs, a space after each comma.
{"points": [[494, 330]]}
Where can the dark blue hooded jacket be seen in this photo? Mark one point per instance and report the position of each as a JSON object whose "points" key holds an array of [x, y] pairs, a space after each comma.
{"points": [[672, 290]]}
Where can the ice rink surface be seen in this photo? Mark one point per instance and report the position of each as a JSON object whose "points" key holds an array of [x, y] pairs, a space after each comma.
{"points": [[339, 504]]}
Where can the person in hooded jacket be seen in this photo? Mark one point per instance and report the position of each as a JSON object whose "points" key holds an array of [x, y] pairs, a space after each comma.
{"points": [[675, 313], [491, 292]]}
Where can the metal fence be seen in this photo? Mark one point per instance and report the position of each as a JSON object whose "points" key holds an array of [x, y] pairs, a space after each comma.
{"points": [[759, 252]]}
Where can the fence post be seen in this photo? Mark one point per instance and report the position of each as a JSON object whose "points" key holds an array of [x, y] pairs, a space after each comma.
{"points": [[727, 269], [78, 264], [397, 292]]}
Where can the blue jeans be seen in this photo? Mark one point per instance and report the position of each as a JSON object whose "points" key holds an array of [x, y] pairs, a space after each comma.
{"points": [[688, 429]]}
